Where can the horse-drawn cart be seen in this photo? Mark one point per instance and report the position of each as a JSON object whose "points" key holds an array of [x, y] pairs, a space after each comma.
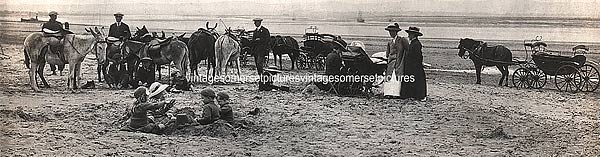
{"points": [[571, 73], [316, 47]]}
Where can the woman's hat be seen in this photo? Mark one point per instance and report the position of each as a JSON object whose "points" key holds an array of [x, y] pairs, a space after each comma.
{"points": [[414, 30], [147, 59], [52, 13], [208, 93], [119, 14], [156, 88], [393, 27], [140, 91]]}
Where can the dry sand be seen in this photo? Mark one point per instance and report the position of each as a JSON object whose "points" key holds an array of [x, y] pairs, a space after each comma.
{"points": [[459, 119]]}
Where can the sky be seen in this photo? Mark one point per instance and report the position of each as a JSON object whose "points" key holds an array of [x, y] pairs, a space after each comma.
{"points": [[584, 8]]}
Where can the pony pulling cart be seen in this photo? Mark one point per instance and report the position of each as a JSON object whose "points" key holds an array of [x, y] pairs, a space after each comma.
{"points": [[571, 73]]}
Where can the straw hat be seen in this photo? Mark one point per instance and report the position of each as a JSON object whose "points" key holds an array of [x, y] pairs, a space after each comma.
{"points": [[119, 14], [156, 88], [52, 13], [414, 30], [393, 27], [147, 59]]}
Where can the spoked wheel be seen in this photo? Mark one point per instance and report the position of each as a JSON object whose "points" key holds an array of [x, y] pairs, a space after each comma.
{"points": [[521, 78], [537, 78], [591, 78], [320, 63], [302, 61], [568, 78]]}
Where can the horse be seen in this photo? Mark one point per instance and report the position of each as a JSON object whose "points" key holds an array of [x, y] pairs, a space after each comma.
{"points": [[201, 45], [227, 48], [482, 55], [285, 45], [75, 48]]}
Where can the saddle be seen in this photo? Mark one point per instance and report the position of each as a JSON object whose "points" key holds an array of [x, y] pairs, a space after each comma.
{"points": [[157, 44], [54, 44]]}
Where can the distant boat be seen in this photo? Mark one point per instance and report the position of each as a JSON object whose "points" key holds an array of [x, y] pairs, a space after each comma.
{"points": [[30, 19], [359, 18]]}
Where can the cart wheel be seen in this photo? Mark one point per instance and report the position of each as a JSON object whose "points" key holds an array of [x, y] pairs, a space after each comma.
{"points": [[320, 64], [591, 78], [537, 78], [301, 62], [571, 79], [520, 78]]}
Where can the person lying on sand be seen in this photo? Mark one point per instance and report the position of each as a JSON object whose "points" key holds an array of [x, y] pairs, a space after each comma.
{"points": [[226, 111], [210, 111], [139, 120]]}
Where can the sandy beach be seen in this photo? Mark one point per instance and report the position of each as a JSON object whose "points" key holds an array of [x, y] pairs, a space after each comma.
{"points": [[460, 118]]}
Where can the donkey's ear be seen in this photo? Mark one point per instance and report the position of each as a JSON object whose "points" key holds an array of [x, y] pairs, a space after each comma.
{"points": [[137, 28], [86, 29]]}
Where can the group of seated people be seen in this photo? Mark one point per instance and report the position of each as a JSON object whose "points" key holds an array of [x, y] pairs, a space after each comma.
{"points": [[151, 111]]}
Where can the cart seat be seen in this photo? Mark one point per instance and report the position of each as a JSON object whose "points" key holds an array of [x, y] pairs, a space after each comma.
{"points": [[578, 59], [536, 44]]}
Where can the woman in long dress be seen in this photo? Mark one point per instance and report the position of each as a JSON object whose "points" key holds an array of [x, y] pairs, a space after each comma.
{"points": [[413, 67], [395, 53]]}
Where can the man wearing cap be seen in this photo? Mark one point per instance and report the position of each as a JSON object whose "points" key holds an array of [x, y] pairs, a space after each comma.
{"points": [[260, 40], [55, 31], [210, 111], [417, 88], [395, 53], [119, 29], [146, 71]]}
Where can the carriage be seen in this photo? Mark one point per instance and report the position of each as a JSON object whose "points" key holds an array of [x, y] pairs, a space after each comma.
{"points": [[316, 47], [571, 73]]}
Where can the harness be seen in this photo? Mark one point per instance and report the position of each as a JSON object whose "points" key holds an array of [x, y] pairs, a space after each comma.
{"points": [[91, 46], [473, 55]]}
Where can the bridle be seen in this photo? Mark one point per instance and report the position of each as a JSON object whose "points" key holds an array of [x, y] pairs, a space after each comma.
{"points": [[469, 51], [91, 46]]}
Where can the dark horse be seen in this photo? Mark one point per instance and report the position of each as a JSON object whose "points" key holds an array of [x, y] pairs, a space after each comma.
{"points": [[285, 45], [481, 55], [201, 45]]}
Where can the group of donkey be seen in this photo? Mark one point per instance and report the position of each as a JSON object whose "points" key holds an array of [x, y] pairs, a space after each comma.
{"points": [[204, 44]]}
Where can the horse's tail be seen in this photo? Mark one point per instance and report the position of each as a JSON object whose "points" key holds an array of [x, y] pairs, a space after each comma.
{"points": [[27, 60]]}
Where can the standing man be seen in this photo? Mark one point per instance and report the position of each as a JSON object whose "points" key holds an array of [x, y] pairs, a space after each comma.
{"points": [[119, 29], [56, 32], [395, 53], [414, 67], [260, 40]]}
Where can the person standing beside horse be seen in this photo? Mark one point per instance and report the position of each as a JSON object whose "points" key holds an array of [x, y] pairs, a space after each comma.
{"points": [[413, 67], [119, 29], [396, 55], [260, 40]]}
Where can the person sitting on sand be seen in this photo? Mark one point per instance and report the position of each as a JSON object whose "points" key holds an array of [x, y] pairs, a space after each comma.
{"points": [[226, 111], [210, 111], [138, 118], [179, 83], [158, 95]]}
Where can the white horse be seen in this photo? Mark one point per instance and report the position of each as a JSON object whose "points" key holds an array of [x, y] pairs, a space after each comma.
{"points": [[75, 48]]}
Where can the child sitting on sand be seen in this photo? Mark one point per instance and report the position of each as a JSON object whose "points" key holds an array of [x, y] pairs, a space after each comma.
{"points": [[138, 116], [226, 111], [210, 111]]}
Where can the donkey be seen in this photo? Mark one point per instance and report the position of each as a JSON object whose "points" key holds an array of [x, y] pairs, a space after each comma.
{"points": [[75, 48], [481, 55], [227, 48], [201, 45]]}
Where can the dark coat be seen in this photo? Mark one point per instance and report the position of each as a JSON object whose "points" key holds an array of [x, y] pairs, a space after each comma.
{"points": [[210, 113], [414, 67], [121, 32], [53, 25], [261, 39]]}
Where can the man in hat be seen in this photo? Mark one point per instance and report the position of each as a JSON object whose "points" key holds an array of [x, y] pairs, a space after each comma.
{"points": [[55, 31], [395, 52], [210, 111], [119, 29], [260, 40], [417, 88]]}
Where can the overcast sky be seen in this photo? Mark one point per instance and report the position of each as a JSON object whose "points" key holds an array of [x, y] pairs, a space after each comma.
{"points": [[524, 7]]}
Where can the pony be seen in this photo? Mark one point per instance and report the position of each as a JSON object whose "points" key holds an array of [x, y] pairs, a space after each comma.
{"points": [[285, 45], [75, 48], [482, 55]]}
